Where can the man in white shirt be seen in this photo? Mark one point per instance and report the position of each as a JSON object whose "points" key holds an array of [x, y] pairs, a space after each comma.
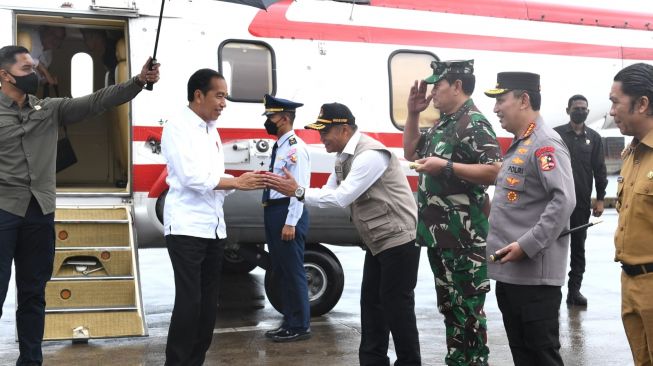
{"points": [[368, 178], [193, 220]]}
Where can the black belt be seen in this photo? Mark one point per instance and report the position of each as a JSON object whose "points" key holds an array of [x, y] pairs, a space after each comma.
{"points": [[276, 202], [637, 269]]}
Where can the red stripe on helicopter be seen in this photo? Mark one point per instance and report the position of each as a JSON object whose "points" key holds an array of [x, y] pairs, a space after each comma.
{"points": [[274, 24]]}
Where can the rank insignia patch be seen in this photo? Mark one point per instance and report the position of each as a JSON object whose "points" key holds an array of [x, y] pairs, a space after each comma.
{"points": [[518, 160], [512, 196], [522, 150], [528, 142], [292, 140], [512, 181]]}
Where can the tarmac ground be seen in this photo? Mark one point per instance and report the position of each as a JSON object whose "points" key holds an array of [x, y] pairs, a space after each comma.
{"points": [[589, 336]]}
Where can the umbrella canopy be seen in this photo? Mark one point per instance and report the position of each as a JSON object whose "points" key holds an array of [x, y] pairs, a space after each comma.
{"points": [[261, 4]]}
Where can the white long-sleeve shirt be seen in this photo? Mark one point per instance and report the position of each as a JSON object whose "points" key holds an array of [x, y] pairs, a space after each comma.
{"points": [[195, 161], [365, 170]]}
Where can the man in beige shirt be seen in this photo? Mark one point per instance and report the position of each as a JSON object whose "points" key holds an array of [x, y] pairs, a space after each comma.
{"points": [[632, 109]]}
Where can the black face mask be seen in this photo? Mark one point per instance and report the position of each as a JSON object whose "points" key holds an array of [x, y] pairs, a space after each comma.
{"points": [[270, 127], [578, 117], [29, 83]]}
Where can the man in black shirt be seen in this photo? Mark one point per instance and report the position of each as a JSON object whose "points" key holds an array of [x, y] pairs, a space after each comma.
{"points": [[587, 161]]}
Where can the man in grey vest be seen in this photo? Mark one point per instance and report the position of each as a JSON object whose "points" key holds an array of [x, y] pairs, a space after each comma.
{"points": [[368, 178]]}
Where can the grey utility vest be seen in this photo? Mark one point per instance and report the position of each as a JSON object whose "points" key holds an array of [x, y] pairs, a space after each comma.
{"points": [[386, 214]]}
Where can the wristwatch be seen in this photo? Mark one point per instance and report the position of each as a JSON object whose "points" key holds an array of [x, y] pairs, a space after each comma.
{"points": [[447, 171], [299, 193]]}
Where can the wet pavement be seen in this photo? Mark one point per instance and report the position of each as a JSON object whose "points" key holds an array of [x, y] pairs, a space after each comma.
{"points": [[589, 336]]}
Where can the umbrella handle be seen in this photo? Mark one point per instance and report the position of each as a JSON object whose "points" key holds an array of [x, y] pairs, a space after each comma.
{"points": [[150, 85]]}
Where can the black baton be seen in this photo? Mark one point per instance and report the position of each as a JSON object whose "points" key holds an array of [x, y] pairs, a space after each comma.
{"points": [[497, 257]]}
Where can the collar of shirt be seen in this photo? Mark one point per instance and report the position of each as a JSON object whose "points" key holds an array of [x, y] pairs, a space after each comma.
{"points": [[7, 102], [350, 148], [648, 139], [285, 137], [570, 128], [192, 117], [456, 115]]}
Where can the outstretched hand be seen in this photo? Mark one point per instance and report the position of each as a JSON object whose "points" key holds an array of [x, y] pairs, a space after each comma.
{"points": [[250, 181], [284, 184]]}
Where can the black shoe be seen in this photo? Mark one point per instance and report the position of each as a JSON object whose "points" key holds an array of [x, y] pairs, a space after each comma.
{"points": [[576, 298], [271, 333], [291, 336]]}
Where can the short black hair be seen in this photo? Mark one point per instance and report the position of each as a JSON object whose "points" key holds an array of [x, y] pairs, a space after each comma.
{"points": [[636, 82], [8, 55], [575, 98], [468, 81], [534, 97], [201, 80]]}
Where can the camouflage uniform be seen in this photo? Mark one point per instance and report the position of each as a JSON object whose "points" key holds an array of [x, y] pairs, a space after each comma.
{"points": [[453, 226]]}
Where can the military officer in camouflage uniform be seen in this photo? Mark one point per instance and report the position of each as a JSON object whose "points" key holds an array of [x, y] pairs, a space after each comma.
{"points": [[457, 158], [532, 202]]}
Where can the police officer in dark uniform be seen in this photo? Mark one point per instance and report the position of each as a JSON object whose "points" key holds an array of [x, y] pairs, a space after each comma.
{"points": [[286, 221]]}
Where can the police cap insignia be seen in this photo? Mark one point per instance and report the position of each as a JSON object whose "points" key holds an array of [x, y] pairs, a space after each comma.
{"points": [[442, 68], [276, 105]]}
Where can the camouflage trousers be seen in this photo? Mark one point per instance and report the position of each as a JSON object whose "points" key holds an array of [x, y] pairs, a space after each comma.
{"points": [[461, 283]]}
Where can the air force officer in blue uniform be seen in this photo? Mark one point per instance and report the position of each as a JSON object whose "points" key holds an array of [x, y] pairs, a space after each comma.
{"points": [[286, 221]]}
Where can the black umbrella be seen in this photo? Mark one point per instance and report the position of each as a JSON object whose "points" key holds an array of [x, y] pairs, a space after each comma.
{"points": [[261, 4]]}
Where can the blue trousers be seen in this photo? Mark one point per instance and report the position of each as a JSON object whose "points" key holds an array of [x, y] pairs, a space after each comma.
{"points": [[288, 263], [28, 242]]}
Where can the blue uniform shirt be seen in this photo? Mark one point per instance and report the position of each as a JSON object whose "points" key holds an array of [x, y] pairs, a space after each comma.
{"points": [[292, 154]]}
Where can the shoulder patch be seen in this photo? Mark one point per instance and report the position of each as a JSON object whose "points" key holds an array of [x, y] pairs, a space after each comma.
{"points": [[292, 140], [545, 158], [544, 150]]}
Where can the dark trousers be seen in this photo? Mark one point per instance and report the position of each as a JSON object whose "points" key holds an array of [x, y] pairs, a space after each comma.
{"points": [[197, 263], [288, 263], [530, 316], [388, 305], [580, 216], [29, 242]]}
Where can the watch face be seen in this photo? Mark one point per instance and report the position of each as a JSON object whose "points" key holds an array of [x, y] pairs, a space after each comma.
{"points": [[299, 192]]}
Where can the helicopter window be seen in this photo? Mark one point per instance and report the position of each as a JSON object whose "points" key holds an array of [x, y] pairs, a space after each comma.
{"points": [[81, 74], [404, 67], [249, 68]]}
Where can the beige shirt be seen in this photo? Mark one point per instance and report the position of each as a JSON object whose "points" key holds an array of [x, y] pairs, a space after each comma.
{"points": [[635, 204]]}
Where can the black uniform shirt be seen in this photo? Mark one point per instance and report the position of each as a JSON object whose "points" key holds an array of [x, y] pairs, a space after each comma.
{"points": [[587, 160]]}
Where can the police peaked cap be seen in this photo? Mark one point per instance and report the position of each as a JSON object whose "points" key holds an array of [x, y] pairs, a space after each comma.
{"points": [[514, 80]]}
